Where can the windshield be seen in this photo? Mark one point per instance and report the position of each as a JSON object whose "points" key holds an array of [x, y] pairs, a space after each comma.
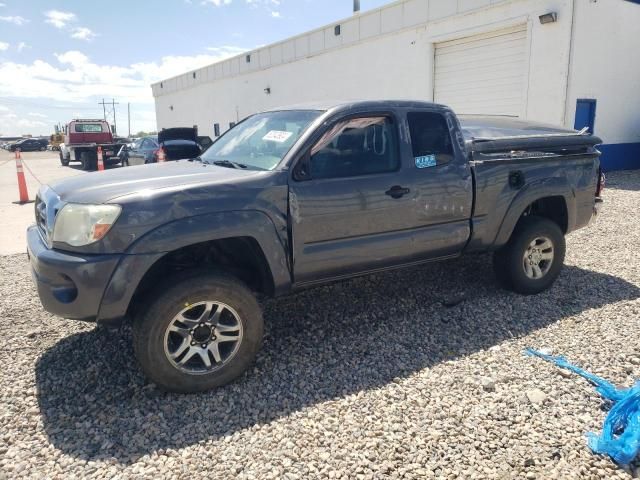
{"points": [[262, 140]]}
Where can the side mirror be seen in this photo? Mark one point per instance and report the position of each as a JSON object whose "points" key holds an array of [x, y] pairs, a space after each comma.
{"points": [[302, 170]]}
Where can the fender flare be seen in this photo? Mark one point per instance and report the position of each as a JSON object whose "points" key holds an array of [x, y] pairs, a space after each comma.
{"points": [[154, 245], [530, 193]]}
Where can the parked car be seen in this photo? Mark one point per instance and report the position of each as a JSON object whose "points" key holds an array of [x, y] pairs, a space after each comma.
{"points": [[29, 145], [81, 141], [140, 152], [293, 198], [176, 143]]}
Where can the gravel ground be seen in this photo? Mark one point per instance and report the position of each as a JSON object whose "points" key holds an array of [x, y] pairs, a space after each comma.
{"points": [[410, 374]]}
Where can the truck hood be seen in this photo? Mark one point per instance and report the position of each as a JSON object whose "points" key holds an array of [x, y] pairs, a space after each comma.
{"points": [[103, 187]]}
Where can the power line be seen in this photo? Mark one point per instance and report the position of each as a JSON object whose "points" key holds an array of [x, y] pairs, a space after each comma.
{"points": [[112, 111]]}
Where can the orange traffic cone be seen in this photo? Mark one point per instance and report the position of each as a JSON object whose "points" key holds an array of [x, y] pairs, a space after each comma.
{"points": [[100, 161], [22, 183], [161, 157]]}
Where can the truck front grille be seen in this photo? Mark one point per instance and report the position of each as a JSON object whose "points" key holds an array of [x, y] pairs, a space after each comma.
{"points": [[41, 215], [47, 206]]}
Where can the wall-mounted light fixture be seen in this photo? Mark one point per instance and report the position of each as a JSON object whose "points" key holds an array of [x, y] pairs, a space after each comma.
{"points": [[171, 107], [267, 90], [550, 17], [336, 30]]}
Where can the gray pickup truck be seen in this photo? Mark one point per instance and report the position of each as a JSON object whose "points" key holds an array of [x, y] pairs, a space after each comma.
{"points": [[297, 197]]}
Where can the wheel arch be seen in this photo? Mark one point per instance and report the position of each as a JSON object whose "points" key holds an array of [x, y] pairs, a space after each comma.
{"points": [[253, 254], [552, 198]]}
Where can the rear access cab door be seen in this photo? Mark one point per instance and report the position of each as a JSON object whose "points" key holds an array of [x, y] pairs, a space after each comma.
{"points": [[374, 190]]}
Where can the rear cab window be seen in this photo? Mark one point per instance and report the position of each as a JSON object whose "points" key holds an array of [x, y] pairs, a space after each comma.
{"points": [[354, 147], [430, 139], [88, 128]]}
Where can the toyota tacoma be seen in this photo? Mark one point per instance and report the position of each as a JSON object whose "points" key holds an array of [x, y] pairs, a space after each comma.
{"points": [[297, 197]]}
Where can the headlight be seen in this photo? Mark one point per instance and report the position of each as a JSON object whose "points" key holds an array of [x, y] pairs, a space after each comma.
{"points": [[78, 224]]}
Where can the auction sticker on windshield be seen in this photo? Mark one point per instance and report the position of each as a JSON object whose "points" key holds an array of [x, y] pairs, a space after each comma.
{"points": [[277, 136]]}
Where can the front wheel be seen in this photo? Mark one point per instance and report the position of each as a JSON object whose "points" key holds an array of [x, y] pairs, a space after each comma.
{"points": [[532, 258], [201, 332], [63, 161]]}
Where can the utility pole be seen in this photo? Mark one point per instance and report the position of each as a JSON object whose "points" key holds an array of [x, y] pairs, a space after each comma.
{"points": [[113, 106], [104, 110], [129, 117], [113, 110]]}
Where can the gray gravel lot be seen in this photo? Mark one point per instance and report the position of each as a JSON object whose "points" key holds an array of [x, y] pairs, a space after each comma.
{"points": [[410, 374]]}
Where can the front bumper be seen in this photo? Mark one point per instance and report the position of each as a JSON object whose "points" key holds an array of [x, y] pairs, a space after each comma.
{"points": [[69, 285]]}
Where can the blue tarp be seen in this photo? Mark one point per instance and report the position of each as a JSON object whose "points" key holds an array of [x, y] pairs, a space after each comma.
{"points": [[620, 437]]}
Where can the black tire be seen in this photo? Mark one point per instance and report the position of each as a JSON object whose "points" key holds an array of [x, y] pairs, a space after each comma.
{"points": [[89, 161], [64, 161], [509, 261], [151, 324]]}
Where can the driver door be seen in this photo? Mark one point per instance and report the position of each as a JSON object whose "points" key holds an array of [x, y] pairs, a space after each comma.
{"points": [[354, 212]]}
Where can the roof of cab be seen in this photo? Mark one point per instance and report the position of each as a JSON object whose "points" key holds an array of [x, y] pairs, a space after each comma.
{"points": [[473, 126], [353, 104]]}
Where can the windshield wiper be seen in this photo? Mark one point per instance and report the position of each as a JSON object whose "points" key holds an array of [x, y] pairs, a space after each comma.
{"points": [[229, 164]]}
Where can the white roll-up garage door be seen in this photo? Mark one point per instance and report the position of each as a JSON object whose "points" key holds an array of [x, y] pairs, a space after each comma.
{"points": [[484, 73]]}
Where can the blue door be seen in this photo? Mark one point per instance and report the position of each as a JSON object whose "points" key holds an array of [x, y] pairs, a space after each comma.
{"points": [[585, 114]]}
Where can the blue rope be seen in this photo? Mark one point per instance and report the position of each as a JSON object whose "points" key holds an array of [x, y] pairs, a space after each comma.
{"points": [[620, 437]]}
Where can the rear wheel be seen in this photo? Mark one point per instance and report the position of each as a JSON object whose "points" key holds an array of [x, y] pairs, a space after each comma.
{"points": [[532, 259], [202, 332], [89, 161]]}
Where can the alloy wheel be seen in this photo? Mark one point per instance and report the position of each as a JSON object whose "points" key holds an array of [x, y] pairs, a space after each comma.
{"points": [[538, 258], [203, 337]]}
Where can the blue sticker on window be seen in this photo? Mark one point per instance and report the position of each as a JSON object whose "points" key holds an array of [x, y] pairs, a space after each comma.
{"points": [[426, 161]]}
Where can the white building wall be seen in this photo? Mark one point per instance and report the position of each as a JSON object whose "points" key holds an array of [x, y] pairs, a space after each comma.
{"points": [[606, 67], [384, 53]]}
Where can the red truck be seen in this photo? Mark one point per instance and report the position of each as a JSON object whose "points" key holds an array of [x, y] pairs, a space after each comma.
{"points": [[82, 137]]}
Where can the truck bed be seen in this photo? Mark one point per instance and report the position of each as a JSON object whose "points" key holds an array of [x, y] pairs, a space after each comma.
{"points": [[509, 157]]}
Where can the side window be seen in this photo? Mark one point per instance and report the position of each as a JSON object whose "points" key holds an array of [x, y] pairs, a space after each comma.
{"points": [[430, 137], [358, 146]]}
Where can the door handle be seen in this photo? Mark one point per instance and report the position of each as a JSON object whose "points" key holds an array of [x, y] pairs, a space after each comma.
{"points": [[397, 191]]}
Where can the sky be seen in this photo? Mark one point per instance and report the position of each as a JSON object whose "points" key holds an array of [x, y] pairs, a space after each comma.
{"points": [[59, 58]]}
